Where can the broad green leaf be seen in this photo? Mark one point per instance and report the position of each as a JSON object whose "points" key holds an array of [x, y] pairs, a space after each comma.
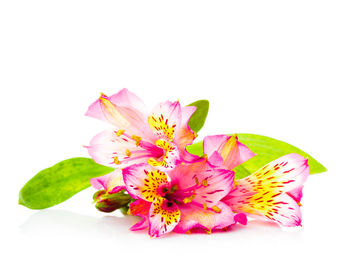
{"points": [[267, 150], [56, 184], [241, 172], [197, 120]]}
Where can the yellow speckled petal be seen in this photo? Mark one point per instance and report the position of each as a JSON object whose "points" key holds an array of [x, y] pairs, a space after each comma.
{"points": [[164, 216], [267, 192], [144, 182], [164, 120], [168, 160]]}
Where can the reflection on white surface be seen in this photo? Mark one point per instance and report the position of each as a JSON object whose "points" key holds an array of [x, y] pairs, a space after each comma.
{"points": [[48, 221]]}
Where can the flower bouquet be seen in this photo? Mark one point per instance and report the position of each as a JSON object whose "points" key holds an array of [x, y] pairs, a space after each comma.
{"points": [[148, 166]]}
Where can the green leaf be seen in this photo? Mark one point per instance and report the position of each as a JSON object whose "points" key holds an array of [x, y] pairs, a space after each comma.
{"points": [[267, 150], [197, 120], [196, 148], [241, 172], [56, 184]]}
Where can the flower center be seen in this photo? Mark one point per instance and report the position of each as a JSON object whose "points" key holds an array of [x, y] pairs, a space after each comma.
{"points": [[169, 153], [143, 148]]}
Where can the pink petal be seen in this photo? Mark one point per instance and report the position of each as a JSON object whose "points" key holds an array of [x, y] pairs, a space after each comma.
{"points": [[244, 153], [125, 98], [274, 191], [213, 143], [284, 210], [207, 185], [216, 159], [296, 193], [289, 171], [112, 182], [165, 119], [144, 182], [169, 158], [184, 135], [232, 151], [140, 208], [163, 217], [109, 149], [219, 184], [124, 110], [142, 224], [193, 216], [241, 218], [183, 174]]}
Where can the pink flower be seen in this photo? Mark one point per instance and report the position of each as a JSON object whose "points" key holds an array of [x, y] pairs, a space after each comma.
{"points": [[225, 151], [158, 138], [184, 198], [273, 192]]}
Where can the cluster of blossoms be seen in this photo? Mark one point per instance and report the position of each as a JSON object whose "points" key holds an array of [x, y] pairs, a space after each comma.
{"points": [[173, 190]]}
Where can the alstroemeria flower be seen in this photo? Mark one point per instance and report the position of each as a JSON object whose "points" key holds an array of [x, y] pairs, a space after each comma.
{"points": [[225, 151], [184, 198], [159, 138], [222, 151], [273, 192]]}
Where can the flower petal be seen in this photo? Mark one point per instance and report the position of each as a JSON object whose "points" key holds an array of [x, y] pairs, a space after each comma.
{"points": [[283, 174], [296, 193], [112, 149], [145, 182], [123, 110], [241, 218], [202, 185], [216, 159], [184, 136], [244, 153], [213, 143], [140, 208], [274, 191], [193, 216], [125, 98], [111, 182], [216, 184], [232, 151], [165, 119], [170, 157], [163, 217], [183, 174]]}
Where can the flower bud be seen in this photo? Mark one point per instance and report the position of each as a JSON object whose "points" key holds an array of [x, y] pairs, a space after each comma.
{"points": [[106, 202]]}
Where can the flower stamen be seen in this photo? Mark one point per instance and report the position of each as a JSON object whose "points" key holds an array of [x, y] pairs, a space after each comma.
{"points": [[116, 160], [216, 209], [205, 183], [204, 206], [189, 199], [119, 132], [137, 139]]}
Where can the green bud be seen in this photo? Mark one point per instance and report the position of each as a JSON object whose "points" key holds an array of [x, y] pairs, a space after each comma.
{"points": [[124, 210], [106, 202]]}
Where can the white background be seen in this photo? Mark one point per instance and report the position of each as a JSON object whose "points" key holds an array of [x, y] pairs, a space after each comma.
{"points": [[277, 68]]}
